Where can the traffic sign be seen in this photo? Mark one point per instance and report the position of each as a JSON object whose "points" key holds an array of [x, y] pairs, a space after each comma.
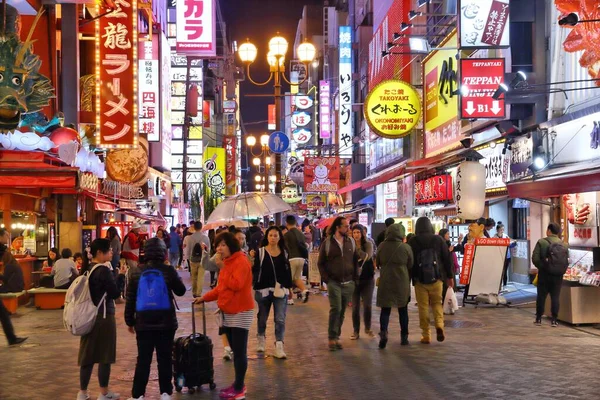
{"points": [[480, 78], [278, 142]]}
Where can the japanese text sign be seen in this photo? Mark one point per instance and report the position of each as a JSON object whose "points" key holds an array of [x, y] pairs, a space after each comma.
{"points": [[480, 78], [272, 117], [345, 89], [434, 189], [196, 27], [392, 109], [442, 128], [230, 144], [321, 174], [116, 76], [149, 90], [215, 172], [484, 23], [324, 110], [581, 217], [465, 273], [316, 201], [497, 167]]}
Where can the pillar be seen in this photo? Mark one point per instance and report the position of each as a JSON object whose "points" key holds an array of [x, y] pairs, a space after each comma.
{"points": [[69, 90]]}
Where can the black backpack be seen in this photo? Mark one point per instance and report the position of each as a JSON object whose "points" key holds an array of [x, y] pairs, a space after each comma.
{"points": [[427, 261], [557, 258], [197, 250]]}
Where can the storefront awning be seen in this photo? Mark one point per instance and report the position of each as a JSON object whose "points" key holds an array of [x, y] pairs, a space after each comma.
{"points": [[157, 219], [351, 187], [101, 203], [388, 174], [34, 169], [554, 182], [368, 200]]}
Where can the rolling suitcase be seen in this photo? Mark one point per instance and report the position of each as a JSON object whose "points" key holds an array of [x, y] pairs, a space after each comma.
{"points": [[193, 358]]}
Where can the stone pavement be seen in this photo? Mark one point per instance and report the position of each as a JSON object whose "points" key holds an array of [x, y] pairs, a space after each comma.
{"points": [[490, 353]]}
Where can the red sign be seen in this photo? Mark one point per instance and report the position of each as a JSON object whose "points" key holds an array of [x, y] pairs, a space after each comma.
{"points": [[117, 64], [391, 207], [480, 78], [321, 174], [272, 123], [206, 113], [196, 27], [392, 66], [434, 189], [229, 142], [465, 273], [492, 242]]}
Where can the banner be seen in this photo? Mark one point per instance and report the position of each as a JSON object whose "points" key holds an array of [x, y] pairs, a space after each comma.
{"points": [[321, 174], [230, 144], [214, 172], [117, 63], [434, 189], [480, 78], [148, 89], [442, 127], [272, 118], [497, 169], [324, 110], [465, 272], [196, 27], [484, 23], [345, 88], [581, 218]]}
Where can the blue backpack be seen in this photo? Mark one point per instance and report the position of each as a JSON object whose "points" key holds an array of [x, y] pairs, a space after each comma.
{"points": [[152, 293]]}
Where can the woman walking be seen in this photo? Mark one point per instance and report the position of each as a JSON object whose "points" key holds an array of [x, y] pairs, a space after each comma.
{"points": [[395, 259], [366, 282], [100, 345], [154, 328], [272, 283], [234, 298]]}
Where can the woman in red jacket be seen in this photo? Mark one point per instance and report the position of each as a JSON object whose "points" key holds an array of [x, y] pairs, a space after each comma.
{"points": [[234, 298]]}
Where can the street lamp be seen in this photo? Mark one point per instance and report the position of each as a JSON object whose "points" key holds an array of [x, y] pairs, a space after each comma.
{"points": [[256, 161], [264, 141], [278, 47], [250, 141]]}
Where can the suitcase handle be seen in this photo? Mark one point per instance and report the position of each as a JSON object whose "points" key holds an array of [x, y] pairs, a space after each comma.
{"points": [[203, 319]]}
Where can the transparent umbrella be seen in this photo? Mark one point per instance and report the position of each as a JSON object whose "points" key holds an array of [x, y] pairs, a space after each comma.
{"points": [[238, 223], [247, 206]]}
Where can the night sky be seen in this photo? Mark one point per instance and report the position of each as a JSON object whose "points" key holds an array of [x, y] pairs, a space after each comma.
{"points": [[260, 20]]}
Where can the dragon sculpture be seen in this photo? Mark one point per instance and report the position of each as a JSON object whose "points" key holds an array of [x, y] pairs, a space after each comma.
{"points": [[22, 88]]}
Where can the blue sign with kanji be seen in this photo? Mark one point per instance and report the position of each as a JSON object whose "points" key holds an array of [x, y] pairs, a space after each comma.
{"points": [[278, 142]]}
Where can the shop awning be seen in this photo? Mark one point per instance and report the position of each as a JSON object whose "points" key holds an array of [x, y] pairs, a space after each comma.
{"points": [[351, 187], [157, 219], [101, 203], [368, 200], [34, 169], [388, 174], [554, 182]]}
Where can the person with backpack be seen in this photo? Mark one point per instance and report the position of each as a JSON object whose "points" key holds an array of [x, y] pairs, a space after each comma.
{"points": [[272, 281], [99, 346], [150, 314], [551, 257], [296, 245], [338, 265], [395, 259], [197, 244], [432, 264]]}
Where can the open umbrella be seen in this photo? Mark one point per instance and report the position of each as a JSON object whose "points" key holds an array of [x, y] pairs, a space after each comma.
{"points": [[238, 223], [247, 206]]}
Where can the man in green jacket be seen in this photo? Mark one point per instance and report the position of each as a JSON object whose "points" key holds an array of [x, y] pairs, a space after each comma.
{"points": [[547, 284]]}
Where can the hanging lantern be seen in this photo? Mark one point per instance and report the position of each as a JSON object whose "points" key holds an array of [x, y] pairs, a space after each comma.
{"points": [[192, 101], [470, 190]]}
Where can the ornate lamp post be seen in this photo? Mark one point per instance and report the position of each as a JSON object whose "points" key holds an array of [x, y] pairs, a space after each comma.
{"points": [[278, 47], [262, 156]]}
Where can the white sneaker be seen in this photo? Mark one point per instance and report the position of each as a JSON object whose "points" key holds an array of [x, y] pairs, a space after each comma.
{"points": [[83, 396], [279, 353], [165, 396], [227, 354], [109, 396], [290, 302], [140, 398], [260, 347]]}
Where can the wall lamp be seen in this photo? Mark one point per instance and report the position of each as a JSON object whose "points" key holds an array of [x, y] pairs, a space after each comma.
{"points": [[397, 35], [573, 19], [405, 26], [412, 14]]}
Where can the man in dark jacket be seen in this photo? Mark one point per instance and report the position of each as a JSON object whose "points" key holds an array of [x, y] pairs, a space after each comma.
{"points": [[432, 264], [547, 283], [7, 325], [296, 245], [338, 264], [153, 328], [381, 236], [12, 278]]}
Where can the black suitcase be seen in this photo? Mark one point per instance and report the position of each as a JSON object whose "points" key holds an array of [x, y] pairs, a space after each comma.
{"points": [[193, 358]]}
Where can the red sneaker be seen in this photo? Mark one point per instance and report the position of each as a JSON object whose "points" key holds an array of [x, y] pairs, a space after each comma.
{"points": [[231, 393]]}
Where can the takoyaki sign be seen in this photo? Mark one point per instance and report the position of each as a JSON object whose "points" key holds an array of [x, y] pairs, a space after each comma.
{"points": [[484, 23], [321, 174]]}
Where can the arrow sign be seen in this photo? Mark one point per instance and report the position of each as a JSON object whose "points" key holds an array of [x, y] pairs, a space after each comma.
{"points": [[495, 107], [470, 109]]}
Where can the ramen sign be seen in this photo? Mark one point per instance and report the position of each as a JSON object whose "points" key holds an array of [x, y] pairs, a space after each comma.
{"points": [[392, 109]]}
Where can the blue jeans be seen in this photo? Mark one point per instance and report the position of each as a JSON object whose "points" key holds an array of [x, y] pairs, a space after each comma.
{"points": [[264, 308], [174, 259]]}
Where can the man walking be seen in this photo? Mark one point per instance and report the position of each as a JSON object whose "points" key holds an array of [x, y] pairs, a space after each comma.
{"points": [[551, 257], [131, 247], [175, 242], [431, 255], [198, 243], [298, 253], [338, 264], [7, 325]]}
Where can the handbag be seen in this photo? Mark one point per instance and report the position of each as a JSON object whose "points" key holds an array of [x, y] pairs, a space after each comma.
{"points": [[279, 292], [219, 317], [535, 280]]}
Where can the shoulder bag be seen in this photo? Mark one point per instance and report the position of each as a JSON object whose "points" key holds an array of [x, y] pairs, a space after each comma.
{"points": [[279, 292]]}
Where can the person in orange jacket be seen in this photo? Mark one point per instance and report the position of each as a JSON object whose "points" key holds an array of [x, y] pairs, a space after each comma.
{"points": [[234, 298]]}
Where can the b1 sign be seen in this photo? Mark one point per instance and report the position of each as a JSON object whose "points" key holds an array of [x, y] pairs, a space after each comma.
{"points": [[196, 27], [480, 78], [484, 23]]}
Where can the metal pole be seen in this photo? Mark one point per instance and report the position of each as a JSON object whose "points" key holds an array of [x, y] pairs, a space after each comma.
{"points": [[277, 85], [186, 129]]}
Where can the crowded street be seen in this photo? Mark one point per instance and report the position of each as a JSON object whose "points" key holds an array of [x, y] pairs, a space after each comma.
{"points": [[489, 353]]}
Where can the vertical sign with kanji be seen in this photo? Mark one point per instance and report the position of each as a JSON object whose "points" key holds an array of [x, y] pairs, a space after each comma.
{"points": [[230, 144], [148, 90], [345, 90], [116, 76], [324, 110], [196, 27]]}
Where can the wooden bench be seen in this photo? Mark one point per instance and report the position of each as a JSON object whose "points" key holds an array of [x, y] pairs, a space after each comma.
{"points": [[11, 300], [48, 299]]}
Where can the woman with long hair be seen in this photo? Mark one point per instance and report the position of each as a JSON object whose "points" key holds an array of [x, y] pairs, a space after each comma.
{"points": [[272, 284], [366, 282], [233, 294]]}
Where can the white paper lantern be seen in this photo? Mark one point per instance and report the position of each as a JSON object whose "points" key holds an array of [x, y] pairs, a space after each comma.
{"points": [[470, 190]]}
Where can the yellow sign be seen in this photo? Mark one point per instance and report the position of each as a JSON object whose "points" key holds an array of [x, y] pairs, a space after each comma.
{"points": [[440, 82], [214, 168], [315, 201], [392, 109]]}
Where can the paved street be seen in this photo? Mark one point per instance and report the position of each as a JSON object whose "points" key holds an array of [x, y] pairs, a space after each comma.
{"points": [[489, 354]]}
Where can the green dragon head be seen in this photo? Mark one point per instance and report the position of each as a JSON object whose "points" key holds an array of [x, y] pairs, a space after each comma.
{"points": [[22, 88]]}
